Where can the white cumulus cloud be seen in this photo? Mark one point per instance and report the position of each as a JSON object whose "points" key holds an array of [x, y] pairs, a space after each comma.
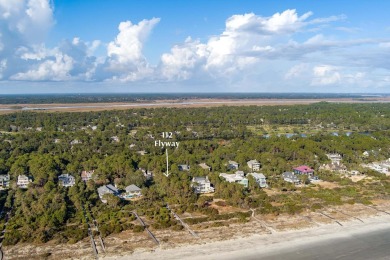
{"points": [[51, 69], [126, 49], [325, 75]]}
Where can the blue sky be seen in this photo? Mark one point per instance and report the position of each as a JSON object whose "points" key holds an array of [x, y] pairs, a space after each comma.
{"points": [[198, 46]]}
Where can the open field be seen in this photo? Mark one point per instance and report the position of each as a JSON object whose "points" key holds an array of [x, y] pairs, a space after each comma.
{"points": [[181, 244], [84, 107]]}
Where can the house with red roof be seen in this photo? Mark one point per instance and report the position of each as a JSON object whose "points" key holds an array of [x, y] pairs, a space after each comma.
{"points": [[303, 169]]}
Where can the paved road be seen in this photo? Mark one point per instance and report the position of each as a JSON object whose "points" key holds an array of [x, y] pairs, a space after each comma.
{"points": [[375, 245]]}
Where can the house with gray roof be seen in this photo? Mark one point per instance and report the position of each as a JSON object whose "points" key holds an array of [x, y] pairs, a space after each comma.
{"points": [[233, 165], [184, 167], [131, 192], [260, 179], [66, 180], [291, 177], [107, 189]]}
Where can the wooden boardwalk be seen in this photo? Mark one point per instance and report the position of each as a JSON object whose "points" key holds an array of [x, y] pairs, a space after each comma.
{"points": [[185, 225], [151, 235], [96, 240]]}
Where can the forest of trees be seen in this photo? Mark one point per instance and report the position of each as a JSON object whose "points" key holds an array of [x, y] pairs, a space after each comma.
{"points": [[41, 145]]}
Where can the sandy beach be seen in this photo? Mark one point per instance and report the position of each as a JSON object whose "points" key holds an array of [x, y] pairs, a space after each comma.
{"points": [[201, 102], [266, 246]]}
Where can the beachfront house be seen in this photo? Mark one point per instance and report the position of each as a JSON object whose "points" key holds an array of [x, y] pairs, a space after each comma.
{"points": [[184, 167], [4, 181], [66, 180], [87, 175], [254, 165], [23, 181], [341, 168], [303, 169], [202, 185], [205, 166], [237, 177], [232, 165], [132, 192], [260, 179], [291, 177], [107, 189]]}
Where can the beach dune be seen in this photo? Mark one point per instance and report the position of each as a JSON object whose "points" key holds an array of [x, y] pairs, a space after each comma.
{"points": [[354, 240]]}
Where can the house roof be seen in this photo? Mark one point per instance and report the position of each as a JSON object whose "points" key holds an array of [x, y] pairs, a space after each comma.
{"points": [[132, 188], [22, 177], [204, 166], [200, 179], [253, 162], [290, 175], [257, 175], [184, 166], [233, 162], [304, 169], [107, 189], [87, 173]]}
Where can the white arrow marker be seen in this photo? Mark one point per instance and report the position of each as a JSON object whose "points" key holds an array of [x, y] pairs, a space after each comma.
{"points": [[166, 152]]}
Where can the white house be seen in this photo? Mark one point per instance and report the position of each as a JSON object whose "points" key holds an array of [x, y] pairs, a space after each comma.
{"points": [[23, 181], [232, 165], [237, 177], [132, 191], [260, 179], [254, 165], [66, 180], [107, 189], [202, 185]]}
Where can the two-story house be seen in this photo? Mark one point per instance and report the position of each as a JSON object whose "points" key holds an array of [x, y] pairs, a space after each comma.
{"points": [[254, 165], [202, 185], [23, 181], [131, 192], [291, 177], [260, 179]]}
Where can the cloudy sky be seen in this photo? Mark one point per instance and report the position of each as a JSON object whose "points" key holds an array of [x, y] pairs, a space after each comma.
{"points": [[49, 46]]}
